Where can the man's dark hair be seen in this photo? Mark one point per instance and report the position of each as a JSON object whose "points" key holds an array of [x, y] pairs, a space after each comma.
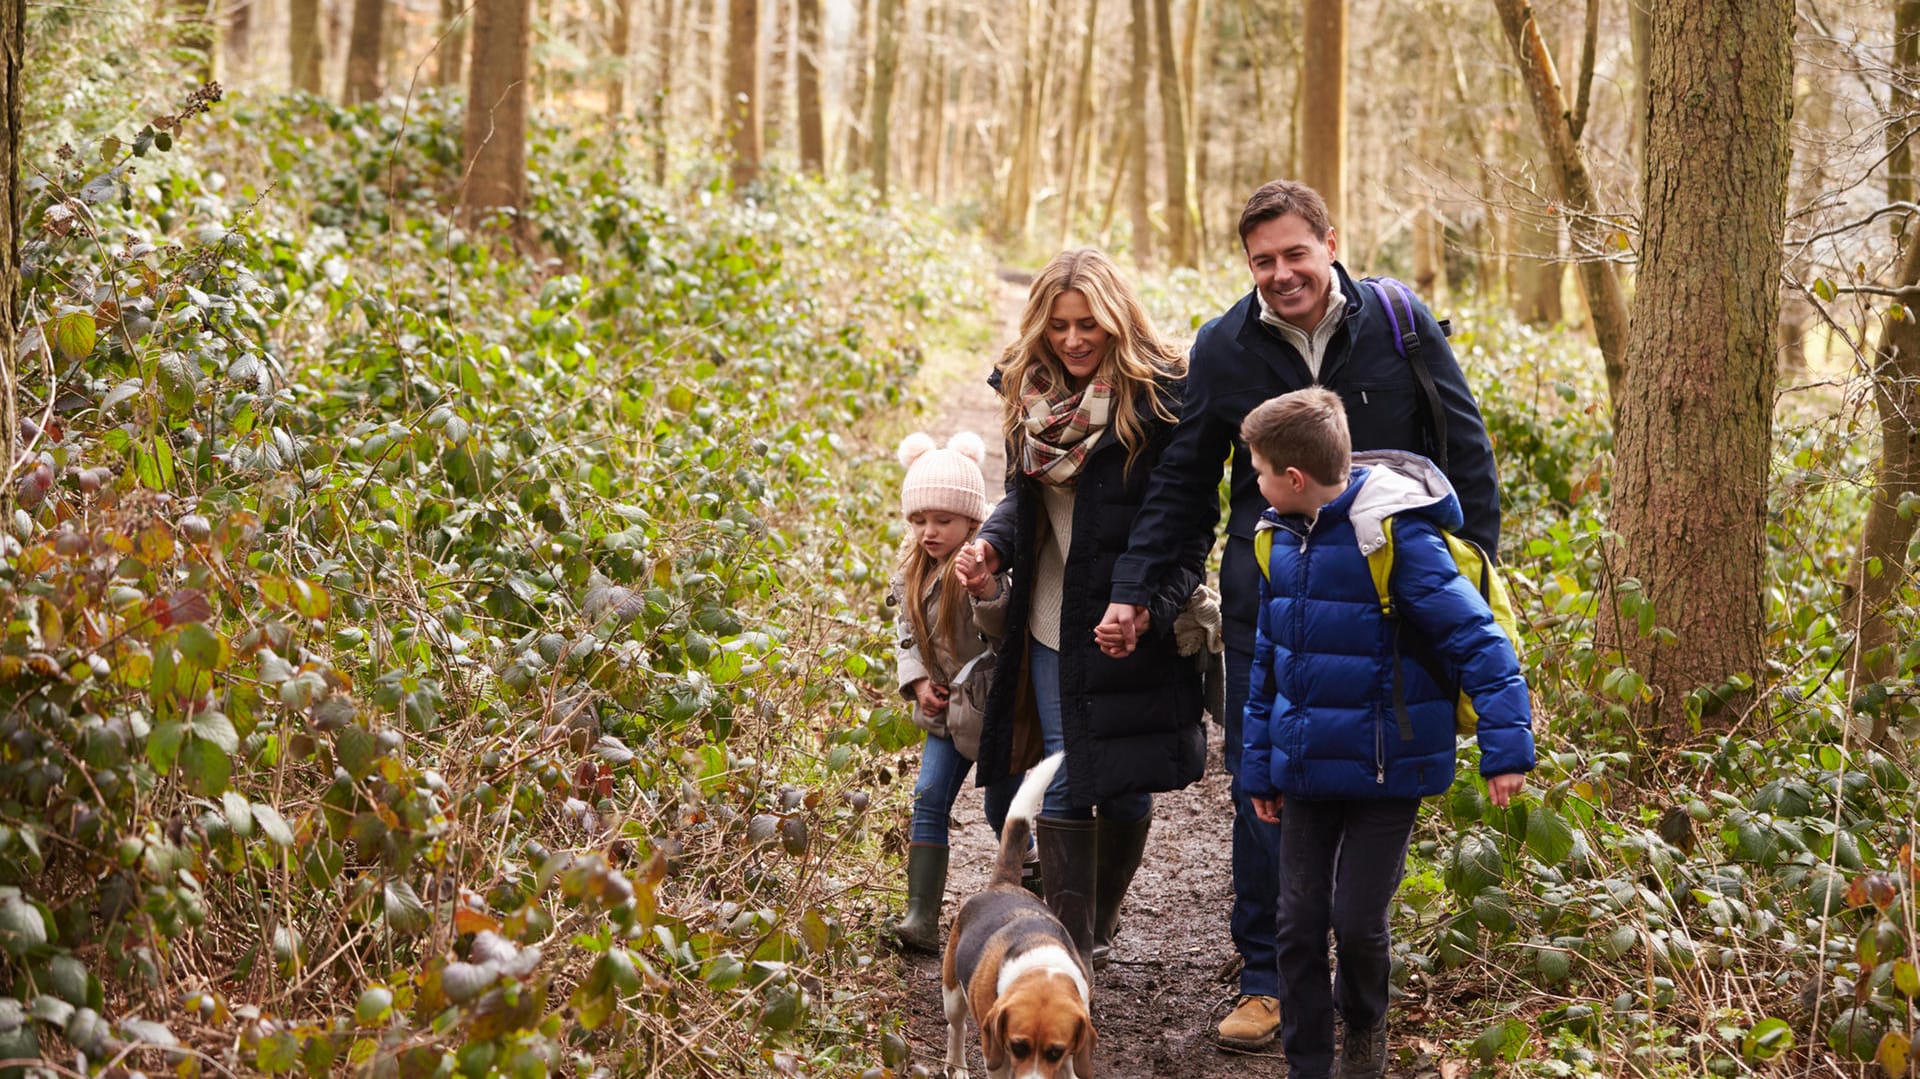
{"points": [[1278, 198]]}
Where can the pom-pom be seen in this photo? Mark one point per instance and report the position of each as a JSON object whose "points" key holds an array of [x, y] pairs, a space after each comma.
{"points": [[912, 446], [969, 445]]}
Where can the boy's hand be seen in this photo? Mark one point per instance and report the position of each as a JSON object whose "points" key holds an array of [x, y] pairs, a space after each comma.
{"points": [[1267, 809], [932, 698], [1119, 632], [1501, 789], [976, 563]]}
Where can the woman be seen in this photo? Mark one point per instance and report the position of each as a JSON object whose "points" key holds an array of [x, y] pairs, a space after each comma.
{"points": [[1092, 394]]}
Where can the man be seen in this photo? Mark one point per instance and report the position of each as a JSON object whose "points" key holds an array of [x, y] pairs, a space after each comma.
{"points": [[1306, 322]]}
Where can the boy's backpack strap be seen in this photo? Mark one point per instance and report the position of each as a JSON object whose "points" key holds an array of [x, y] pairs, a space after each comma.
{"points": [[1263, 551], [1380, 568], [1398, 300]]}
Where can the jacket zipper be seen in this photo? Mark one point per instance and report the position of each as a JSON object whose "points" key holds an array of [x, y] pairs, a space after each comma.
{"points": [[1379, 749]]}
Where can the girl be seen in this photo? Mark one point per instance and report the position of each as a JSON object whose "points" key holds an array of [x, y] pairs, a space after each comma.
{"points": [[943, 659], [1092, 394]]}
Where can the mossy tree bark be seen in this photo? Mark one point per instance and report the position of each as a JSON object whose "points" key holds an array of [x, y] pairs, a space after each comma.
{"points": [[1694, 423]]}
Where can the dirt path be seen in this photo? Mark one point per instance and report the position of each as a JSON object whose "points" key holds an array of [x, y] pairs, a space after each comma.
{"points": [[1156, 1005]]}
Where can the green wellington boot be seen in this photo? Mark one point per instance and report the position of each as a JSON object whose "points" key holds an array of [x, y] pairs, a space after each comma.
{"points": [[919, 929], [1067, 873], [1119, 847]]}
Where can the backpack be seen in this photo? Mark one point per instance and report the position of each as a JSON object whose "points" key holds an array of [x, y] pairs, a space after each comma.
{"points": [[1397, 298], [1473, 564]]}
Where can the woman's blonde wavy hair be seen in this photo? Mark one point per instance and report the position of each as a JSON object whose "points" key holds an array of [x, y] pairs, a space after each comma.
{"points": [[1138, 356]]}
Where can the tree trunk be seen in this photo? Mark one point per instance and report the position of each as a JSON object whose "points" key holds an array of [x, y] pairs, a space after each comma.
{"points": [[238, 38], [1429, 235], [1016, 198], [933, 104], [859, 55], [13, 52], [813, 143], [1177, 148], [495, 136], [1880, 567], [450, 54], [1137, 161], [663, 88], [620, 49], [886, 58], [778, 75], [1082, 113], [304, 45], [1606, 302], [197, 33], [1693, 426], [1323, 103], [1536, 267], [743, 90], [364, 49]]}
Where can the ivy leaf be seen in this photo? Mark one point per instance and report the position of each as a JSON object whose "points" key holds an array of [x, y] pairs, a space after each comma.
{"points": [[1768, 1039], [405, 913]]}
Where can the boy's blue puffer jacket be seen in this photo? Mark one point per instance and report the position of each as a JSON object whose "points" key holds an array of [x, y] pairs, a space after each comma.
{"points": [[1320, 720]]}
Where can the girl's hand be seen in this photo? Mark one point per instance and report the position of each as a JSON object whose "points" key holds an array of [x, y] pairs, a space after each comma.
{"points": [[1501, 789], [987, 587], [976, 563], [932, 698]]}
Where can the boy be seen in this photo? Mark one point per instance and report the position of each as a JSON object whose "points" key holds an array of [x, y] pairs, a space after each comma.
{"points": [[1350, 715]]}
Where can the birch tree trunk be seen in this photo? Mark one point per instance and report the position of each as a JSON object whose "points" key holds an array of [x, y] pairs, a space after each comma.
{"points": [[364, 49], [813, 144], [743, 90], [1694, 424]]}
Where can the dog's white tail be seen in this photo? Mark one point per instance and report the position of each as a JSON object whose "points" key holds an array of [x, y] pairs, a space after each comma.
{"points": [[1017, 835], [1033, 789]]}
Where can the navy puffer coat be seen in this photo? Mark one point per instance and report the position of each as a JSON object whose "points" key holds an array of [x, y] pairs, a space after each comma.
{"points": [[1320, 719]]}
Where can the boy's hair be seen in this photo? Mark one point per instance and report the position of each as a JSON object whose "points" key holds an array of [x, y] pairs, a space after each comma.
{"points": [[1278, 198], [1305, 429]]}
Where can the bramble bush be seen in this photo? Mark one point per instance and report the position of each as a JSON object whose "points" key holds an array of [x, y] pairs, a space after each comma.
{"points": [[429, 658]]}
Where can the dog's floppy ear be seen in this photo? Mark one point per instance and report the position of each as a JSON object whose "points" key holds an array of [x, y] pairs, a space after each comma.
{"points": [[1083, 1050], [993, 1038]]}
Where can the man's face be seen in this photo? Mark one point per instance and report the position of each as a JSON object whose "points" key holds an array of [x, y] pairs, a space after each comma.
{"points": [[1292, 268]]}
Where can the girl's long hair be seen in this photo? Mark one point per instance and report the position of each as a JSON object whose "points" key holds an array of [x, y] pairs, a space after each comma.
{"points": [[939, 649], [1139, 356]]}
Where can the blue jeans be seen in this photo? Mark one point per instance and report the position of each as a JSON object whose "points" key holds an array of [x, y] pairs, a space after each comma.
{"points": [[942, 771], [1354, 850], [1254, 920], [1044, 668]]}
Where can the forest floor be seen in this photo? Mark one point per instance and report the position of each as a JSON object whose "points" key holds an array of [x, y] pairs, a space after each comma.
{"points": [[1174, 974], [1156, 1005]]}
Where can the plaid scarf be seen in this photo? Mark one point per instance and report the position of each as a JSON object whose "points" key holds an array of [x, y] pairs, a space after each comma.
{"points": [[1063, 426]]}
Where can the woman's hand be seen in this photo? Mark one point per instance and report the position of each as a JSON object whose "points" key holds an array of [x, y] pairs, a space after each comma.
{"points": [[932, 698], [975, 564]]}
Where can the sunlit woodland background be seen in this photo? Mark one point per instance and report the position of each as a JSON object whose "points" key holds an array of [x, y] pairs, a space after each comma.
{"points": [[448, 505]]}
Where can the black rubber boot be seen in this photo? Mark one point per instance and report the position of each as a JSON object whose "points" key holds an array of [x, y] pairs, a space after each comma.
{"points": [[1120, 845], [919, 930], [1067, 855]]}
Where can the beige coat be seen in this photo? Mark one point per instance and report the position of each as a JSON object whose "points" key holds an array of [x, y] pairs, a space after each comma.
{"points": [[976, 627]]}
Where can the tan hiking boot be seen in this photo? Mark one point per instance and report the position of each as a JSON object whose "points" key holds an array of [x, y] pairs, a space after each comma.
{"points": [[1252, 1023]]}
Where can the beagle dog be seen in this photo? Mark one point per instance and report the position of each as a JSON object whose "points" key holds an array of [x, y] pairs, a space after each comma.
{"points": [[1011, 964]]}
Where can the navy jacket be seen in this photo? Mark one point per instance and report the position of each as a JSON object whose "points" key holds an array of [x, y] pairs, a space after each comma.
{"points": [[1320, 720], [1238, 362], [1132, 725]]}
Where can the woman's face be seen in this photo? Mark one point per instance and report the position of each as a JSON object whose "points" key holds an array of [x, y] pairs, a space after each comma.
{"points": [[1075, 337]]}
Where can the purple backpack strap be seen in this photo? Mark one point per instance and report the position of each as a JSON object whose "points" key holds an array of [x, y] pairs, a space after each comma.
{"points": [[1406, 342]]}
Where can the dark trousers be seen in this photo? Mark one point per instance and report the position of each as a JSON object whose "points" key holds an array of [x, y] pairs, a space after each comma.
{"points": [[1256, 853], [1340, 863]]}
